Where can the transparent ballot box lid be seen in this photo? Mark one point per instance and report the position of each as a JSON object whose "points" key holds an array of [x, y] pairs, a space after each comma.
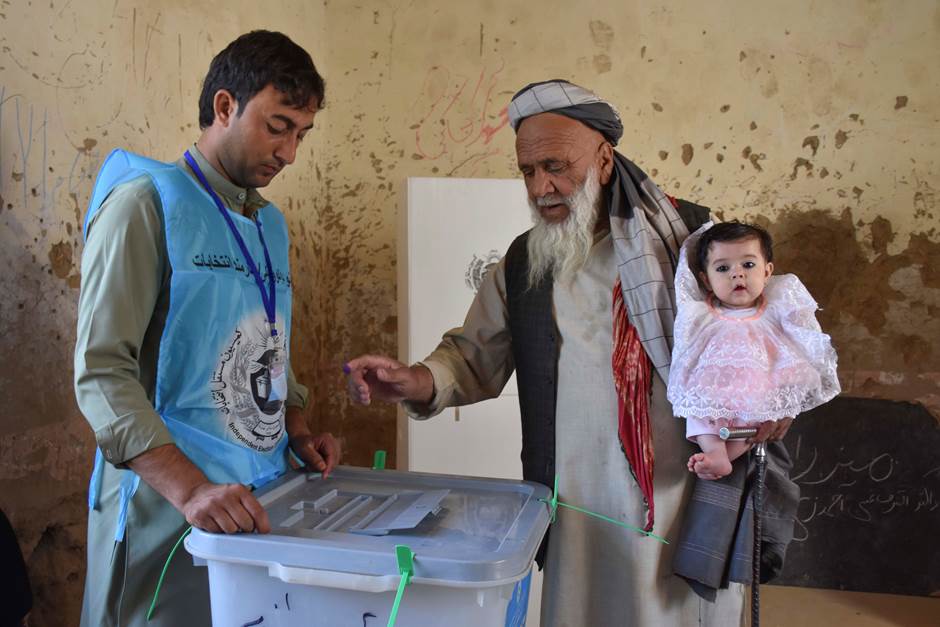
{"points": [[461, 529]]}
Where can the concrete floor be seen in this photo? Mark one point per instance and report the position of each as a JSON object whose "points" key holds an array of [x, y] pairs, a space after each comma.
{"points": [[783, 606]]}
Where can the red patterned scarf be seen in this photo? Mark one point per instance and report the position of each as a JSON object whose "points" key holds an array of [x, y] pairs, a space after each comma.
{"points": [[633, 382]]}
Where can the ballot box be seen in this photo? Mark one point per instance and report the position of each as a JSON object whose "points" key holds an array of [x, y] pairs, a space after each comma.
{"points": [[330, 558]]}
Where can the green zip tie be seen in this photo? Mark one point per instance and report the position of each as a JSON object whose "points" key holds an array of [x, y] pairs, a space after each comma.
{"points": [[166, 565], [406, 566], [553, 504], [378, 462]]}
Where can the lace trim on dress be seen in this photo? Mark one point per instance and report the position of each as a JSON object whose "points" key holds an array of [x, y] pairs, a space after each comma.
{"points": [[759, 310]]}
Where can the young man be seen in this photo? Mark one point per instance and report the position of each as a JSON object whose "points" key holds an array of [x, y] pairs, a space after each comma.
{"points": [[181, 360]]}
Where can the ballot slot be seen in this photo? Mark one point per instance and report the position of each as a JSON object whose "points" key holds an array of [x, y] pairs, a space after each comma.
{"points": [[364, 513]]}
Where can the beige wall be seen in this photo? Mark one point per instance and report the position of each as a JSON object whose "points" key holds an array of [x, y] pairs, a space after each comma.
{"points": [[818, 119]]}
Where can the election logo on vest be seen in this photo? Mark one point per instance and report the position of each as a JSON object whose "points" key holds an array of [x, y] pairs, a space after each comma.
{"points": [[249, 385]]}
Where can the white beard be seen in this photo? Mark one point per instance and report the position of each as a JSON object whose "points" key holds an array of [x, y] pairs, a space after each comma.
{"points": [[563, 248]]}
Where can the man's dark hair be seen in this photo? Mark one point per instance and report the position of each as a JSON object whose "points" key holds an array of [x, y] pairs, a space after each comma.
{"points": [[732, 232], [254, 61]]}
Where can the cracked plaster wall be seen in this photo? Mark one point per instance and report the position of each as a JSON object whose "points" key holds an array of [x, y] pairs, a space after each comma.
{"points": [[818, 120]]}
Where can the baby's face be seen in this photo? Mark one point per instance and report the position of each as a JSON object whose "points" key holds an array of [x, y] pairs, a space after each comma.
{"points": [[737, 272]]}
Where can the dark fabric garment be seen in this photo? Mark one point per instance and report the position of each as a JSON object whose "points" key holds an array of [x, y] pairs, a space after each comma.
{"points": [[716, 543], [535, 351], [623, 193], [535, 346], [693, 215], [16, 596]]}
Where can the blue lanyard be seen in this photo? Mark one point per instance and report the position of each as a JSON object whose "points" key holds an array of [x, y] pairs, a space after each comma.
{"points": [[268, 297]]}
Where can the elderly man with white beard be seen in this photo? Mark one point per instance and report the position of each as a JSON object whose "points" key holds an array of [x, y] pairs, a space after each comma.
{"points": [[581, 307]]}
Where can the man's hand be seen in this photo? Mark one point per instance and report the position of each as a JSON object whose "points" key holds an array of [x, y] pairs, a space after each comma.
{"points": [[317, 452], [376, 377], [772, 430], [225, 508]]}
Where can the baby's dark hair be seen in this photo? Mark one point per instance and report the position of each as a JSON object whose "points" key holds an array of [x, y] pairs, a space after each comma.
{"points": [[732, 232]]}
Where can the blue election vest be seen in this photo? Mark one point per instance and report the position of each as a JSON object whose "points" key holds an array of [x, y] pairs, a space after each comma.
{"points": [[213, 387]]}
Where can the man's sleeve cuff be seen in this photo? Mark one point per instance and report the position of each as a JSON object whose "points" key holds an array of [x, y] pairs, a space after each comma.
{"points": [[444, 383], [131, 435]]}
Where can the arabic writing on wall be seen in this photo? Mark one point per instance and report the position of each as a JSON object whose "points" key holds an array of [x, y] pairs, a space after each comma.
{"points": [[859, 490], [869, 480]]}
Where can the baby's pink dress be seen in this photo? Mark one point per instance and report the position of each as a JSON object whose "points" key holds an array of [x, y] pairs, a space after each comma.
{"points": [[746, 367]]}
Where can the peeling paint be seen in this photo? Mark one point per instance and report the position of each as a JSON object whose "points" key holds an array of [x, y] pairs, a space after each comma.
{"points": [[755, 158], [841, 138], [881, 235], [800, 162], [809, 240], [87, 144], [60, 257], [813, 142]]}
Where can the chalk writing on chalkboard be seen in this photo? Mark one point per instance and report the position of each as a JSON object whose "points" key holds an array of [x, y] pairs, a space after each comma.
{"points": [[869, 510], [872, 495]]}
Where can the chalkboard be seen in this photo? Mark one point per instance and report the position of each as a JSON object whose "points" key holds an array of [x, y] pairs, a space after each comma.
{"points": [[869, 512]]}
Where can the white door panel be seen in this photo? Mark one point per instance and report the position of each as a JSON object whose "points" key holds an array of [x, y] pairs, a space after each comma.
{"points": [[449, 231]]}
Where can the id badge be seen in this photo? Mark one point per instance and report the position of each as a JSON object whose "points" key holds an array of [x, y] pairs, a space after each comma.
{"points": [[278, 373]]}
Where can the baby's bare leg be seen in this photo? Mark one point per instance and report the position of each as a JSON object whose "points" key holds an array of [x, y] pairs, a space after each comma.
{"points": [[713, 462], [736, 448]]}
